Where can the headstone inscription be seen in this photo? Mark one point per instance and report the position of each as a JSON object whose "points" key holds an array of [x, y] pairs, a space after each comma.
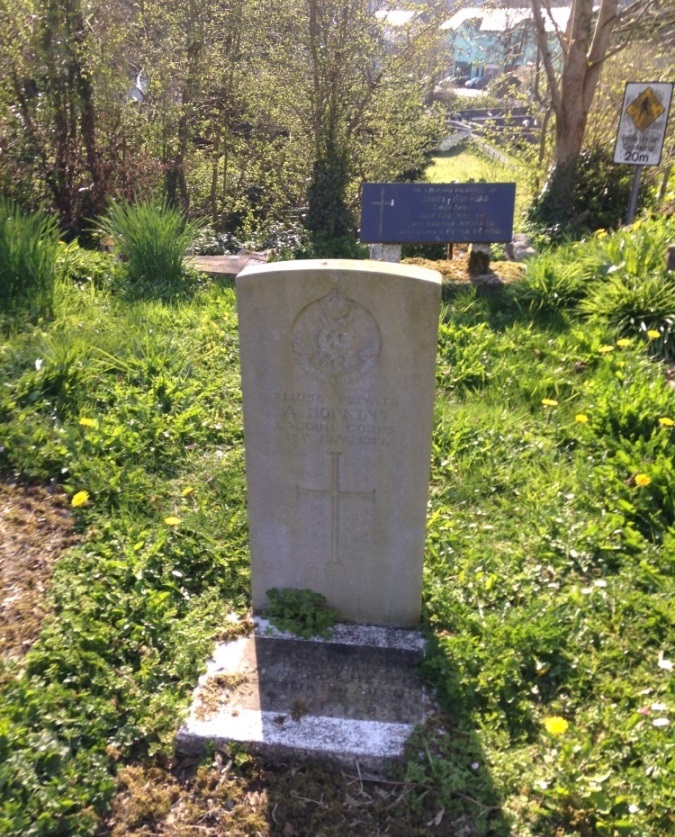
{"points": [[338, 376], [432, 213]]}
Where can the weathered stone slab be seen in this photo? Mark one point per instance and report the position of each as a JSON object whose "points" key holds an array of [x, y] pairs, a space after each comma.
{"points": [[338, 377], [226, 266], [355, 697]]}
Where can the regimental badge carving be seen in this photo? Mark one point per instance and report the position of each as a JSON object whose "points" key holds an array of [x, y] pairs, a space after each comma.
{"points": [[335, 337]]}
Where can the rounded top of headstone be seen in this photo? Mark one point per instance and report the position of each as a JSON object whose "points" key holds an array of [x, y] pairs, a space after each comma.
{"points": [[363, 266]]}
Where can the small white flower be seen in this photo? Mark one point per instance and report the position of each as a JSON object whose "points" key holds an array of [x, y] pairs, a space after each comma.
{"points": [[600, 582], [666, 665], [660, 722], [658, 707], [38, 364], [633, 808]]}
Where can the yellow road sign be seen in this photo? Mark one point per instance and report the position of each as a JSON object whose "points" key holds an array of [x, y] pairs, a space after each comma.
{"points": [[645, 109]]}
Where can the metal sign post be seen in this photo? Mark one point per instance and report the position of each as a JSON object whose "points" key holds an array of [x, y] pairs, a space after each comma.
{"points": [[642, 129]]}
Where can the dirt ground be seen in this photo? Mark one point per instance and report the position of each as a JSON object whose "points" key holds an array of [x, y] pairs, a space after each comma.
{"points": [[35, 526], [185, 799]]}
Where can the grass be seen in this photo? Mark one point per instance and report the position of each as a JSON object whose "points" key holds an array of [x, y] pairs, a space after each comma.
{"points": [[28, 247], [153, 239], [465, 163], [548, 587]]}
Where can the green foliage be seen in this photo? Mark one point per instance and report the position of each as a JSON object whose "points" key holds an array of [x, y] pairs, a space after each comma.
{"points": [[82, 267], [548, 583], [587, 193], [230, 112], [636, 292], [328, 217], [557, 280], [153, 239], [302, 612], [628, 304], [345, 247], [28, 245]]}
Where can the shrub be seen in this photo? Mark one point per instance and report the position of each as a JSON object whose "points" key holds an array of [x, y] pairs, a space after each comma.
{"points": [[28, 246], [633, 303], [585, 194], [554, 281], [153, 239]]}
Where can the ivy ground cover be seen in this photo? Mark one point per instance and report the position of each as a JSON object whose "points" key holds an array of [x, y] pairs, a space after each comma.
{"points": [[548, 594]]}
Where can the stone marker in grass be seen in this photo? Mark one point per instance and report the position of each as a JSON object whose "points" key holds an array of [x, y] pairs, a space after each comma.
{"points": [[338, 376]]}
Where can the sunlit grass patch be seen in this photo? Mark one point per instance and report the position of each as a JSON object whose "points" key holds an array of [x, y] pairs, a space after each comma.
{"points": [[548, 581]]}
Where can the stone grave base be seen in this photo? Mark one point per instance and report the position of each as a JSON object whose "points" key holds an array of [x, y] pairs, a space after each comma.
{"points": [[354, 698]]}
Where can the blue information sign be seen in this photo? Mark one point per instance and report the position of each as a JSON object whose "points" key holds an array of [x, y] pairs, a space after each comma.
{"points": [[430, 213]]}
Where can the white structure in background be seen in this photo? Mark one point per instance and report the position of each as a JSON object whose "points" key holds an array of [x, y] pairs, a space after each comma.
{"points": [[492, 41]]}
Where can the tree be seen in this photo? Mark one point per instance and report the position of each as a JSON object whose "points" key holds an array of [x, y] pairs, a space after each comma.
{"points": [[60, 101], [353, 61], [594, 32]]}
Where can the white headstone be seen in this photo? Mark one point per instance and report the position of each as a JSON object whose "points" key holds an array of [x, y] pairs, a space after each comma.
{"points": [[338, 377]]}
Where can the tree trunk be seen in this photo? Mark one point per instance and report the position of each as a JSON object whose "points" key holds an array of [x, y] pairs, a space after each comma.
{"points": [[584, 44]]}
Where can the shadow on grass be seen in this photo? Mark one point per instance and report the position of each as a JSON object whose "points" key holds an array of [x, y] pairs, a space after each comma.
{"points": [[192, 282], [500, 306]]}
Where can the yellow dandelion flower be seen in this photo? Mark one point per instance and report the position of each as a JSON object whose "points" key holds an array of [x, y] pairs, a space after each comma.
{"points": [[623, 342], [549, 402], [581, 418], [555, 725], [172, 521], [187, 491], [642, 480], [600, 234], [605, 350], [653, 334], [88, 422], [80, 499], [666, 422]]}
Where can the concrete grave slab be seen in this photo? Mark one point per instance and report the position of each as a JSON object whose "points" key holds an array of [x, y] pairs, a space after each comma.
{"points": [[228, 266], [353, 698]]}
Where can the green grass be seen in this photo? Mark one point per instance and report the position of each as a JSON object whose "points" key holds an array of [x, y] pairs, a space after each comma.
{"points": [[549, 587], [464, 163], [153, 239], [28, 245]]}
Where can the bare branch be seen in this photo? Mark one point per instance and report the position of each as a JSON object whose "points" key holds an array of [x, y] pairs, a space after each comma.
{"points": [[545, 51]]}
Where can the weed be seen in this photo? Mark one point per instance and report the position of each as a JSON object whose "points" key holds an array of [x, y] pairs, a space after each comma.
{"points": [[28, 247], [302, 612], [153, 240]]}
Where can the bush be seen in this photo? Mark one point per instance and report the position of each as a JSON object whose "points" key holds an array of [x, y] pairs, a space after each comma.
{"points": [[345, 247], [154, 240], [585, 194], [28, 246], [556, 280], [631, 303]]}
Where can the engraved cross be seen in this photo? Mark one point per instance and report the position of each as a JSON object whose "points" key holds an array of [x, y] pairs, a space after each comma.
{"points": [[336, 494], [382, 203]]}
